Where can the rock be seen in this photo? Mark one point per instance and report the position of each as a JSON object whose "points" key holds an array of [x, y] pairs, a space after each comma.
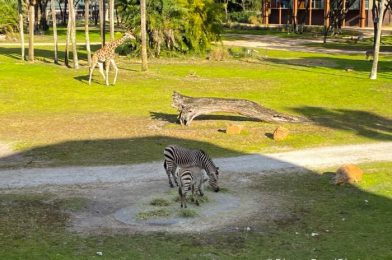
{"points": [[280, 133], [348, 173], [234, 129], [99, 253], [350, 69]]}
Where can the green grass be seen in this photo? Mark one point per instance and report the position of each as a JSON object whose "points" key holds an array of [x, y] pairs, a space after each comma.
{"points": [[160, 202], [35, 227], [187, 213], [51, 115]]}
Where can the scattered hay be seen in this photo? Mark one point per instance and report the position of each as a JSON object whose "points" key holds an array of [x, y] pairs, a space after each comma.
{"points": [[144, 215], [160, 202], [187, 213]]}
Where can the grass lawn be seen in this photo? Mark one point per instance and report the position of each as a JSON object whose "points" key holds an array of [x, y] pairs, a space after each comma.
{"points": [[347, 222], [51, 115]]}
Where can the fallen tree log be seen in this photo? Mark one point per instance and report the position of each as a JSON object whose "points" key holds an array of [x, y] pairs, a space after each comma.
{"points": [[192, 107]]}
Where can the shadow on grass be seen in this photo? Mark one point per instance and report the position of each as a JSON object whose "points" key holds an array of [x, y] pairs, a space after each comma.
{"points": [[173, 118], [106, 152], [384, 66], [362, 123]]}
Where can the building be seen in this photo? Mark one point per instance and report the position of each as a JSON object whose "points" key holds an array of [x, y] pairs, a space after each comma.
{"points": [[279, 11]]}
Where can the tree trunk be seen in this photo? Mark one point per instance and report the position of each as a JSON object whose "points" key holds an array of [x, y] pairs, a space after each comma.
{"points": [[373, 73], [143, 34], [111, 19], [72, 21], [189, 108], [31, 30], [21, 31], [54, 24], [102, 21], [86, 25], [66, 52], [65, 12]]}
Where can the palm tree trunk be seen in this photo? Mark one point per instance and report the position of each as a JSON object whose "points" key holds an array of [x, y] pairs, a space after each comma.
{"points": [[86, 29], [54, 24], [21, 31], [373, 73], [31, 29], [73, 33], [66, 58], [143, 34], [111, 19], [102, 20]]}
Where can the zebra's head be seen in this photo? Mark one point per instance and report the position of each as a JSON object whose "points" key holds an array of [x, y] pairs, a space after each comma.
{"points": [[213, 180]]}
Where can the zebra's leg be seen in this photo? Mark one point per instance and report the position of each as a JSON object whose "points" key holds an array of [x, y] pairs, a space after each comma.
{"points": [[181, 199], [174, 176], [169, 173]]}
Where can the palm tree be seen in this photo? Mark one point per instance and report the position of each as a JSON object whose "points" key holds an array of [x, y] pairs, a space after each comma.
{"points": [[31, 29], [373, 73], [143, 34], [54, 23], [102, 20], [86, 29], [21, 31]]}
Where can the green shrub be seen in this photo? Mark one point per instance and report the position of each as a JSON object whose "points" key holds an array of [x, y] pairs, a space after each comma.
{"points": [[159, 202], [144, 215], [8, 16], [187, 213]]}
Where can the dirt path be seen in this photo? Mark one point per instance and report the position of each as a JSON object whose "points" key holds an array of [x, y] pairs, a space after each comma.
{"points": [[278, 43], [255, 163]]}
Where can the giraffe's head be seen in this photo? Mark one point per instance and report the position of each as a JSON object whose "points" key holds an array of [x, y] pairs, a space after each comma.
{"points": [[129, 35]]}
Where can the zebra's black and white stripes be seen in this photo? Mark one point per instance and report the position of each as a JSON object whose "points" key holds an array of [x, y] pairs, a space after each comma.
{"points": [[190, 179], [177, 156]]}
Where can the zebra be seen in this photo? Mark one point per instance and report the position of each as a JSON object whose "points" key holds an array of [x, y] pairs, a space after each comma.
{"points": [[190, 179], [179, 156]]}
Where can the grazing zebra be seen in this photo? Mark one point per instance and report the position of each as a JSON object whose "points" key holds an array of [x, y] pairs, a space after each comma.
{"points": [[184, 158], [190, 179]]}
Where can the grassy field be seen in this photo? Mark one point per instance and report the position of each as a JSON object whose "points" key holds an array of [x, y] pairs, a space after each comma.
{"points": [[51, 115], [347, 222]]}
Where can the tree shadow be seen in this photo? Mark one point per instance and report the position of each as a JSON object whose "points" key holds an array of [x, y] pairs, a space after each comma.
{"points": [[361, 123], [343, 64], [173, 118]]}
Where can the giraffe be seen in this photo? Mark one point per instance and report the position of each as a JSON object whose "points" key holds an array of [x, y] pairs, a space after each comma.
{"points": [[106, 55]]}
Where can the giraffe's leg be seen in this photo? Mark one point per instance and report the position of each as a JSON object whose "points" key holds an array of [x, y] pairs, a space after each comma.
{"points": [[115, 70], [107, 66], [91, 72], [100, 65]]}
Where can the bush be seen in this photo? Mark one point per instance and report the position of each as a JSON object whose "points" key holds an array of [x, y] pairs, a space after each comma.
{"points": [[8, 16], [218, 54], [241, 17]]}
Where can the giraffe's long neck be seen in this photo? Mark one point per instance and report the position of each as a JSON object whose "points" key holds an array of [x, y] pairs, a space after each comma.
{"points": [[116, 43]]}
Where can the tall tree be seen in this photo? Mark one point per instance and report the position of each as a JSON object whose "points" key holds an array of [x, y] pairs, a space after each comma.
{"points": [[373, 73], [86, 29], [54, 24], [143, 34], [72, 20], [111, 19], [31, 29], [67, 41], [21, 31]]}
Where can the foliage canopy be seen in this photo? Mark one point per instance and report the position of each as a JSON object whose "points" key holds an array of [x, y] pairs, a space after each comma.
{"points": [[181, 25]]}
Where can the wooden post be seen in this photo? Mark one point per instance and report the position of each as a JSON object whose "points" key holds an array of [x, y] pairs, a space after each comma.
{"points": [[310, 11], [326, 13], [362, 14]]}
